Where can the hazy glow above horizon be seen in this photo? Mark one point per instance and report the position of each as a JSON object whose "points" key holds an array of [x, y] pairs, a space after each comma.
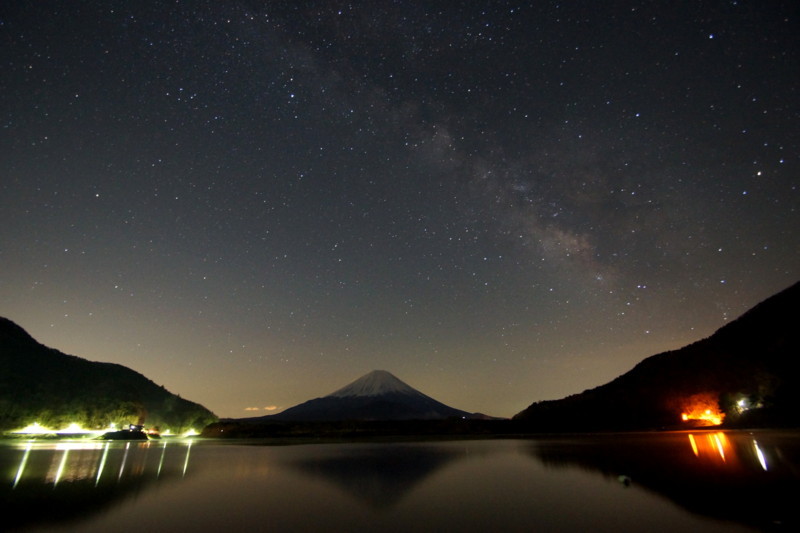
{"points": [[255, 205]]}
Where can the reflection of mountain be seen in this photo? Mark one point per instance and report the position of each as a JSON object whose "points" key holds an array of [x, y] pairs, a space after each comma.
{"points": [[747, 367], [65, 482], [751, 479], [379, 475]]}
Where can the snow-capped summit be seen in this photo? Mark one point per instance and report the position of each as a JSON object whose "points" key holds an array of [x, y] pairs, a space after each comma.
{"points": [[377, 395], [375, 383]]}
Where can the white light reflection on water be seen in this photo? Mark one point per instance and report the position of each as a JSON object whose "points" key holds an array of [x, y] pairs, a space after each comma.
{"points": [[22, 464], [186, 462], [161, 460], [102, 466], [60, 470], [761, 459], [124, 460], [567, 484], [53, 462]]}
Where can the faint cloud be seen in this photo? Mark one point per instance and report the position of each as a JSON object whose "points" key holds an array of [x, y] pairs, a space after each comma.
{"points": [[267, 408]]}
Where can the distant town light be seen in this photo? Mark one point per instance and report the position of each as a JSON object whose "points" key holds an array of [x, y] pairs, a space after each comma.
{"points": [[34, 429]]}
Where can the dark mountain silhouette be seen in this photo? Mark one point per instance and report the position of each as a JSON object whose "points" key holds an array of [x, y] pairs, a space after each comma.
{"points": [[751, 360], [40, 384], [377, 395]]}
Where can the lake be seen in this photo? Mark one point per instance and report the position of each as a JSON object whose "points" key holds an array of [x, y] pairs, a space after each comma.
{"points": [[677, 481]]}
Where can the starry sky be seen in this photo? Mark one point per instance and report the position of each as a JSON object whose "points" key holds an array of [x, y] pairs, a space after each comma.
{"points": [[255, 203]]}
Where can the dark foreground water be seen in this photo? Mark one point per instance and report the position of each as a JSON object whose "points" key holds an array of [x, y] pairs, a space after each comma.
{"points": [[702, 481]]}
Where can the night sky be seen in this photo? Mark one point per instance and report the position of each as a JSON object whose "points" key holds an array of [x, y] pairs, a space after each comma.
{"points": [[254, 204]]}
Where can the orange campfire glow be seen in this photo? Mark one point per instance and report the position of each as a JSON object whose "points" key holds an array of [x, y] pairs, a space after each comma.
{"points": [[703, 410], [710, 418]]}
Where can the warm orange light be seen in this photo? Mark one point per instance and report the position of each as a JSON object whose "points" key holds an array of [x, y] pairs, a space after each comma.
{"points": [[717, 444], [704, 418], [703, 410], [714, 446], [694, 445]]}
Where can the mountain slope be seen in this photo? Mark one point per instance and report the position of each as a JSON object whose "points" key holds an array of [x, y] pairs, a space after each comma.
{"points": [[751, 360], [377, 395], [374, 383], [40, 384]]}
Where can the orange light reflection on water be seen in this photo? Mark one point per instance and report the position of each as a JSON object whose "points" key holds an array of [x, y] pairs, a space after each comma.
{"points": [[694, 445], [713, 446], [717, 448]]}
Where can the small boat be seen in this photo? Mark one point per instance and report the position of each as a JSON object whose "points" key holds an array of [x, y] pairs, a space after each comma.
{"points": [[133, 432]]}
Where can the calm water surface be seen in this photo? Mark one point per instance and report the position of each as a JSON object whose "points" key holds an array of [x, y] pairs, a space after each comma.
{"points": [[703, 481]]}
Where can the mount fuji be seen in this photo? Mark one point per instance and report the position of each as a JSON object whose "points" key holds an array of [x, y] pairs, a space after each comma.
{"points": [[378, 395]]}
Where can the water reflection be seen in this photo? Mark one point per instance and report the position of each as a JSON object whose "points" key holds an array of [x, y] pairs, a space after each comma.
{"points": [[582, 483], [716, 446], [379, 477], [728, 475], [73, 478], [761, 458], [22, 464]]}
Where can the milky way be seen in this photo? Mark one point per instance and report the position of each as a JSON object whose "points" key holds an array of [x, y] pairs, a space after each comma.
{"points": [[254, 204]]}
